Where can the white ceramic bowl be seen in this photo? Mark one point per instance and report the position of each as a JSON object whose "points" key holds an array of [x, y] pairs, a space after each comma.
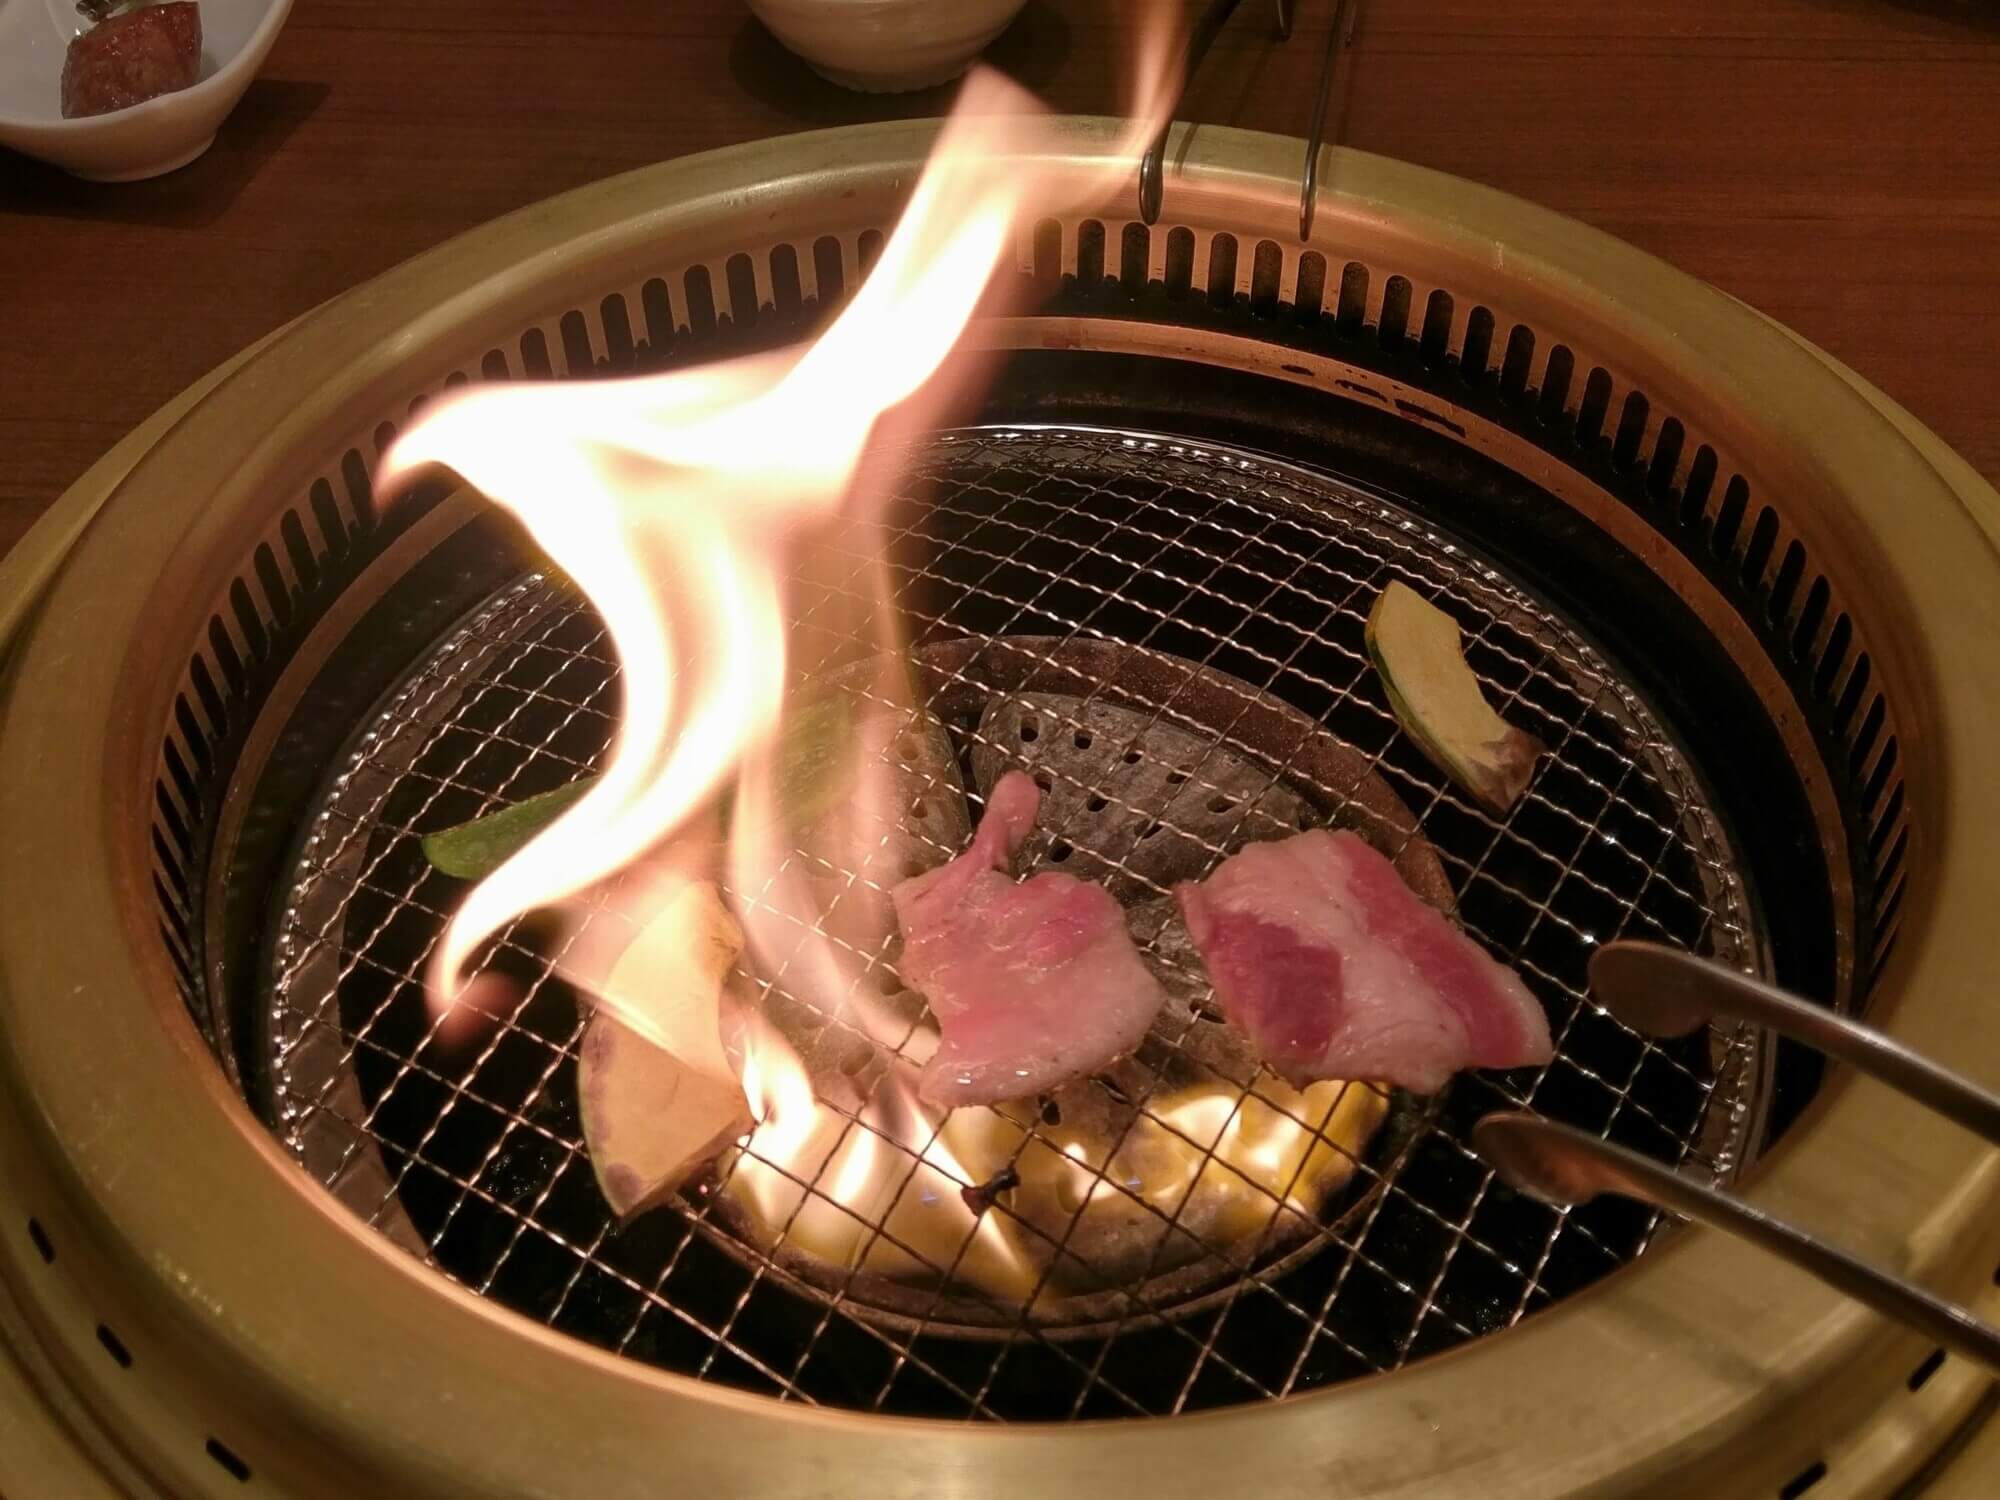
{"points": [[887, 46], [147, 139]]}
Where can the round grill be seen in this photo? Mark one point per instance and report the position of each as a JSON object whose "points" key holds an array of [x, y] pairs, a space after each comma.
{"points": [[470, 1152], [1649, 462]]}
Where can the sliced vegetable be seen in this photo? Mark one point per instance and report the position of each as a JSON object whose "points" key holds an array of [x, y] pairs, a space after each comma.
{"points": [[472, 851], [655, 1089], [1418, 650], [807, 773]]}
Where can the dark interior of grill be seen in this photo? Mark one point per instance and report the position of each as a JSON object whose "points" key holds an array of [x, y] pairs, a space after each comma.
{"points": [[1194, 551]]}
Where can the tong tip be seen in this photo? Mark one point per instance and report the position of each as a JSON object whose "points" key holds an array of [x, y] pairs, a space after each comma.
{"points": [[1657, 991], [1537, 1157]]}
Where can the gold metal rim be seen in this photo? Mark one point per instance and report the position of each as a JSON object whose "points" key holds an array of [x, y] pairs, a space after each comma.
{"points": [[1706, 1367]]}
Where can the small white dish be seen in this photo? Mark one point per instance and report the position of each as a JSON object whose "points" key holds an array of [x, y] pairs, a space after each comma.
{"points": [[150, 138], [887, 46]]}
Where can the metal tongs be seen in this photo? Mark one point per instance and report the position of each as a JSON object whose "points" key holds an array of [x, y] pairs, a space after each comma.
{"points": [[1152, 169], [1663, 992]]}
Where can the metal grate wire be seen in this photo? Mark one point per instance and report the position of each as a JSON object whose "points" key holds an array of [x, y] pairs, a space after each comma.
{"points": [[469, 1152]]}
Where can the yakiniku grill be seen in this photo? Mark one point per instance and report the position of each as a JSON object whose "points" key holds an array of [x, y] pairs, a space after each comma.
{"points": [[268, 1225]]}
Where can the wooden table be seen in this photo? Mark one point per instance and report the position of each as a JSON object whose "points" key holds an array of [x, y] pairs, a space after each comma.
{"points": [[1833, 162]]}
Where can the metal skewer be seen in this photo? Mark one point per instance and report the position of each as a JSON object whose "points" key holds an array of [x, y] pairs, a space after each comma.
{"points": [[1662, 991]]}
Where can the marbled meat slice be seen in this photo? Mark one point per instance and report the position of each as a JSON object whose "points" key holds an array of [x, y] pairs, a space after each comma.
{"points": [[1032, 982], [1334, 969]]}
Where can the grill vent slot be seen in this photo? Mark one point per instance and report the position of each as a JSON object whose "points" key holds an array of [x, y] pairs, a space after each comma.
{"points": [[1596, 402], [1047, 252], [700, 301], [1436, 341], [1311, 294], [829, 273], [1735, 499], [617, 330], [1394, 324], [1700, 485], [1090, 252], [1804, 1480], [659, 310], [227, 1460], [1222, 270], [1353, 309], [1786, 583], [1631, 429], [1135, 256], [1519, 360], [742, 282], [1180, 262], [1832, 657], [1556, 377], [1264, 278], [788, 293], [575, 341], [1666, 460], [1478, 350]]}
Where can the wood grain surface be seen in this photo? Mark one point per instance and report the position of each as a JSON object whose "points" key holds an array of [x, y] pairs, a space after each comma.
{"points": [[1833, 162]]}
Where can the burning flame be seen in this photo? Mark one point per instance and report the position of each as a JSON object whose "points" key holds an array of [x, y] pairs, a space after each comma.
{"points": [[674, 502], [669, 503], [680, 504]]}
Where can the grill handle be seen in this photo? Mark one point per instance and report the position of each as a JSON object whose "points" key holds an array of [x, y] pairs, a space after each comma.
{"points": [[1152, 167], [1338, 36], [1661, 991], [1565, 1166]]}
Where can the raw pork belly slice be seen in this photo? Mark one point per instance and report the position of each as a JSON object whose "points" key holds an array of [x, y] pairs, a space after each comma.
{"points": [[1335, 969], [1032, 982]]}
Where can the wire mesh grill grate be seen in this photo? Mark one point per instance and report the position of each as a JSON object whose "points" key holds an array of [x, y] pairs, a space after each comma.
{"points": [[470, 1152]]}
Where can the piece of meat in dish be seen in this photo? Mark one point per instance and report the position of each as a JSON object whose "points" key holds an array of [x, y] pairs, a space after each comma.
{"points": [[1334, 969], [1032, 982], [132, 57]]}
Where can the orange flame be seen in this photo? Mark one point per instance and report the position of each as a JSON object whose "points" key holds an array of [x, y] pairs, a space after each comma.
{"points": [[675, 503], [668, 500]]}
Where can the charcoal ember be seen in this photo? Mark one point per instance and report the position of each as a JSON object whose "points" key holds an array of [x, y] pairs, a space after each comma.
{"points": [[131, 58]]}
